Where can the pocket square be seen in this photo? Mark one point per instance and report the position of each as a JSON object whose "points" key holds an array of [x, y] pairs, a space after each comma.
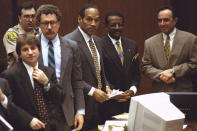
{"points": [[135, 57]]}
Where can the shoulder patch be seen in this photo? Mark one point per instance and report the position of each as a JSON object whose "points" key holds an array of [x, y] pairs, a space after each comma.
{"points": [[11, 35]]}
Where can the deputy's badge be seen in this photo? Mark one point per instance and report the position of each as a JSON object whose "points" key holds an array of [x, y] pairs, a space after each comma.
{"points": [[135, 57], [11, 35]]}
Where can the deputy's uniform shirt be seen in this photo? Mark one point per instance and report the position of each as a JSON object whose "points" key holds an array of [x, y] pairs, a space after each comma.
{"points": [[9, 41]]}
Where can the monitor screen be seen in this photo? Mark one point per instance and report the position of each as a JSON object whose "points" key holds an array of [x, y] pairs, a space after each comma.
{"points": [[186, 102]]}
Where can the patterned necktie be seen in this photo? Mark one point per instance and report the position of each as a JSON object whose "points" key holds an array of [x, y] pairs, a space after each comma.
{"points": [[51, 58], [96, 64], [167, 47], [40, 102], [120, 52]]}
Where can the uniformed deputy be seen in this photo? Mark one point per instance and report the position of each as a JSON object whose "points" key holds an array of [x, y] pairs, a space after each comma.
{"points": [[26, 16]]}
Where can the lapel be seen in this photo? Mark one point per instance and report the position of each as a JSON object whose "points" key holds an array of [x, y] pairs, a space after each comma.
{"points": [[177, 48], [159, 51], [40, 60], [85, 50], [112, 53], [26, 82]]}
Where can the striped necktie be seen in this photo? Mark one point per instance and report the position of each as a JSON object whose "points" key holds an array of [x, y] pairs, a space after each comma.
{"points": [[51, 58], [167, 47], [96, 64], [120, 52]]}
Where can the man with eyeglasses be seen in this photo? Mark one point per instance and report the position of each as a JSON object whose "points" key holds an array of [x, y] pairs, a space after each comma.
{"points": [[120, 58], [26, 16], [62, 55]]}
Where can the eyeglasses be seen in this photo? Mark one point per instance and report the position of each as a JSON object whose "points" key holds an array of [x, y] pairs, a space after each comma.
{"points": [[29, 16], [114, 25], [46, 23]]}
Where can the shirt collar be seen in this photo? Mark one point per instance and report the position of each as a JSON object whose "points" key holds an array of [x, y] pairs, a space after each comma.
{"points": [[30, 68], [171, 35], [114, 40], [43, 38], [85, 36]]}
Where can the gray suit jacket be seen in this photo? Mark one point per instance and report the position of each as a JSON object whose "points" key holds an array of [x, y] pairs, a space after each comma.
{"points": [[70, 79], [89, 72], [182, 58]]}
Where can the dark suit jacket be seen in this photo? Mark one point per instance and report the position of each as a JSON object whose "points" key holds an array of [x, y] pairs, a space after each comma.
{"points": [[70, 79], [88, 71], [6, 90], [182, 58], [23, 107], [120, 76]]}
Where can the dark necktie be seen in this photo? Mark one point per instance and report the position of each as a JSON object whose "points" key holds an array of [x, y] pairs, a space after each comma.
{"points": [[167, 47], [120, 52], [51, 58], [96, 64], [40, 102]]}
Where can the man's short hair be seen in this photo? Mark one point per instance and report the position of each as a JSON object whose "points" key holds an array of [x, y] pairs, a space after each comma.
{"points": [[28, 39], [113, 13], [87, 6], [48, 9], [25, 5], [174, 15]]}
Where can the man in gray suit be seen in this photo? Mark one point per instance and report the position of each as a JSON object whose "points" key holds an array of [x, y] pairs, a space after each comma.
{"points": [[63, 56], [170, 57], [95, 85]]}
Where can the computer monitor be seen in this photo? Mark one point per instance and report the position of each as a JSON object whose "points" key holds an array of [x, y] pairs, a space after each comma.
{"points": [[186, 102], [154, 112]]}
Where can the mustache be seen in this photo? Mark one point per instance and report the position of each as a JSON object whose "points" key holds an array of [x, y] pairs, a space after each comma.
{"points": [[49, 32]]}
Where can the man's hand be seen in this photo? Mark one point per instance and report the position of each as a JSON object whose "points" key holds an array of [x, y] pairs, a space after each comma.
{"points": [[108, 90], [36, 124], [100, 95], [79, 120], [2, 96], [167, 76], [40, 76], [124, 96]]}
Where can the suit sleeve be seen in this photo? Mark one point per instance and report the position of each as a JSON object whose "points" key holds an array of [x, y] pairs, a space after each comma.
{"points": [[77, 82], [189, 66], [147, 68]]}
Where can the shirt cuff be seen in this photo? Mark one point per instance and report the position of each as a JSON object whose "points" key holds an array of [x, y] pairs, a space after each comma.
{"points": [[47, 87], [90, 93], [81, 111], [5, 102], [134, 89]]}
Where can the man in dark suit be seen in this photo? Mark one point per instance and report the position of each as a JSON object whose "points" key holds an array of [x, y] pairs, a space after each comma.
{"points": [[4, 92], [29, 109], [91, 63], [170, 57], [63, 56], [120, 57]]}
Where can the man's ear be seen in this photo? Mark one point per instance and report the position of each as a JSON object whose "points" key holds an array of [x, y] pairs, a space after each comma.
{"points": [[79, 20]]}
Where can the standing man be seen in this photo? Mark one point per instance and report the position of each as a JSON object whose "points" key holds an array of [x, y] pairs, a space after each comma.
{"points": [[170, 56], [63, 56], [36, 96], [95, 85], [120, 57], [26, 16]]}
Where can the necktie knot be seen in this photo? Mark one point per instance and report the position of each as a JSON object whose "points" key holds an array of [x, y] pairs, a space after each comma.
{"points": [[50, 43]]}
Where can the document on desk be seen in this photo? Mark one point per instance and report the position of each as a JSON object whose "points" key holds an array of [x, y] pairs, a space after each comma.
{"points": [[115, 93], [115, 125], [123, 116]]}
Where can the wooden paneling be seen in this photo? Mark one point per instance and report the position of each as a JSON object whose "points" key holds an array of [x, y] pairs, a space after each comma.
{"points": [[140, 19]]}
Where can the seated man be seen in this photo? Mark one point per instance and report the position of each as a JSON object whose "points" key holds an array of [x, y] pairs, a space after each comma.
{"points": [[36, 96]]}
